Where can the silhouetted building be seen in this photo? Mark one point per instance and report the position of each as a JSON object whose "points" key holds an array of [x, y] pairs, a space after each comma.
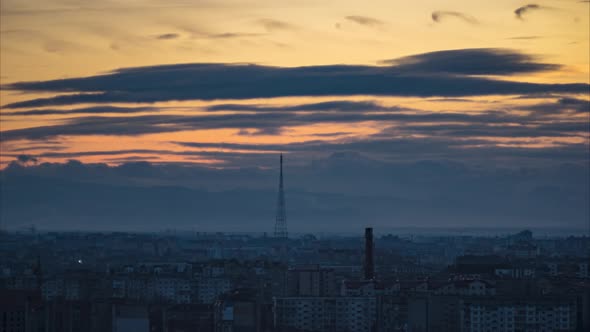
{"points": [[369, 263], [242, 311], [357, 314], [188, 317], [20, 310], [130, 318], [428, 313], [311, 281], [513, 314]]}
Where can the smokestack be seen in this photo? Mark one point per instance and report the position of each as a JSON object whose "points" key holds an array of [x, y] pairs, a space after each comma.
{"points": [[369, 262]]}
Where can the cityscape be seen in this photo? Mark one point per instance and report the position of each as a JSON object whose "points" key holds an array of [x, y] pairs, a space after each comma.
{"points": [[223, 282], [198, 281], [294, 166]]}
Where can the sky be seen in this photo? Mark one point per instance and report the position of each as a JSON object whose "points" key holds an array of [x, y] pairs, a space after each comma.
{"points": [[435, 113]]}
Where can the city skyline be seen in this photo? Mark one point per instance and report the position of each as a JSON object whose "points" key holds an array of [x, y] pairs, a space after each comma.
{"points": [[294, 165], [213, 282]]}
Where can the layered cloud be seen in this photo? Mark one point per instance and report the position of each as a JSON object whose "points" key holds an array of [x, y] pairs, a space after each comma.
{"points": [[272, 117], [546, 132], [444, 73], [483, 61], [82, 110]]}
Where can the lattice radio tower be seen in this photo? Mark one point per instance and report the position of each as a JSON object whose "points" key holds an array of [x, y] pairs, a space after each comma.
{"points": [[281, 217]]}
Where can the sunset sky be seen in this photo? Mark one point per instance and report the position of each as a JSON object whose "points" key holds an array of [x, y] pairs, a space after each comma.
{"points": [[229, 84]]}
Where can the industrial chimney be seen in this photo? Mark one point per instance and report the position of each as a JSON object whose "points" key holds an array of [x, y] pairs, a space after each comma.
{"points": [[369, 261]]}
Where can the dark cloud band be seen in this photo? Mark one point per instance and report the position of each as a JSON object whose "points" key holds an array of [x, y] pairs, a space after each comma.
{"points": [[445, 74], [477, 61]]}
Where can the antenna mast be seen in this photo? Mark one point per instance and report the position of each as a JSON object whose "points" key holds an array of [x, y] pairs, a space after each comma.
{"points": [[281, 217]]}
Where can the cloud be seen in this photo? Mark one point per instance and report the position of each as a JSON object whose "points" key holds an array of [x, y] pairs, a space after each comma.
{"points": [[365, 20], [583, 106], [133, 159], [36, 147], [84, 110], [525, 37], [385, 149], [410, 164], [72, 155], [402, 143], [329, 106], [339, 105], [25, 159], [318, 199], [483, 130], [477, 61], [146, 124], [262, 131], [563, 105], [521, 11], [545, 119], [439, 15], [229, 35], [274, 25], [444, 74], [167, 36], [438, 146]]}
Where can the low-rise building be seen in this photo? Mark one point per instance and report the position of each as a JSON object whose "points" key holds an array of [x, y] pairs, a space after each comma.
{"points": [[347, 313]]}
